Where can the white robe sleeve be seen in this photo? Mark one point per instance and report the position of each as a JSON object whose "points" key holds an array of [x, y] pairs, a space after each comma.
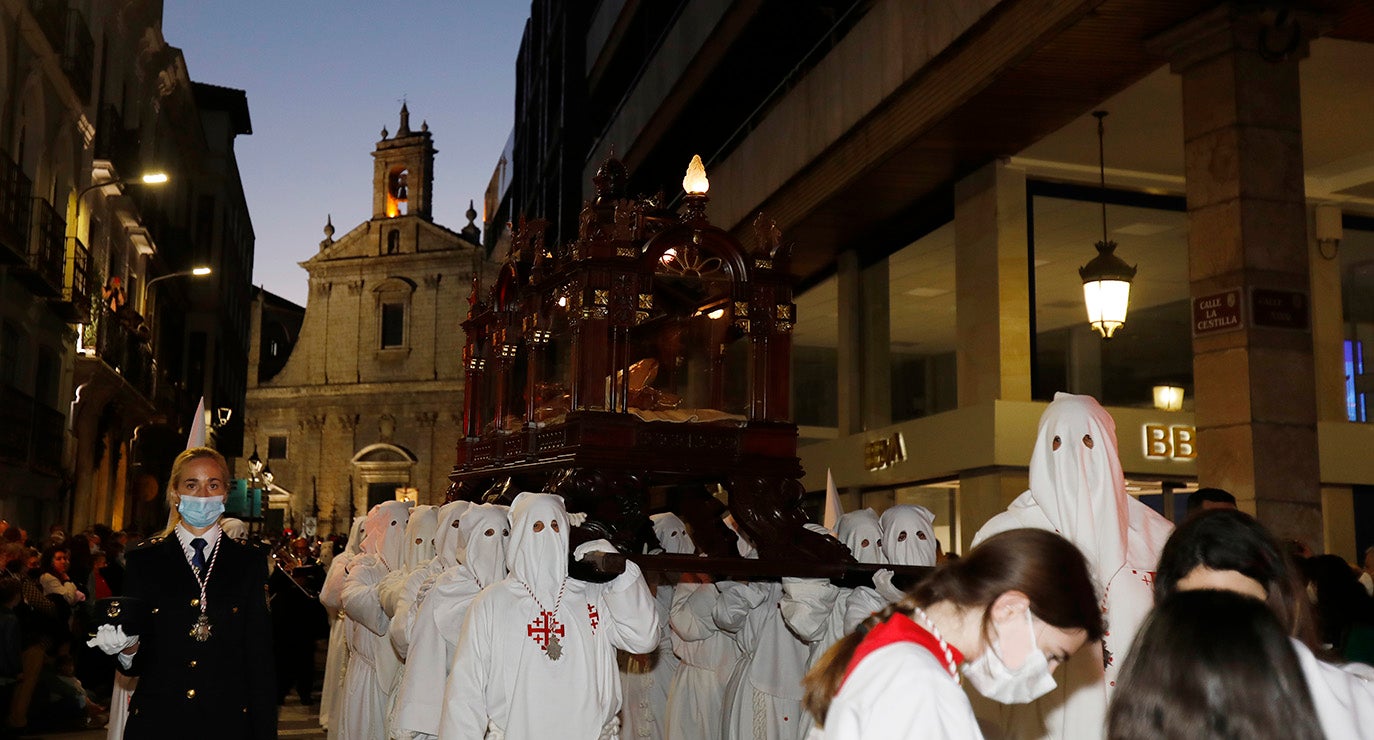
{"points": [[331, 593], [360, 596], [863, 601], [421, 697], [401, 620], [736, 601], [465, 708], [389, 591], [690, 616], [806, 606], [634, 623]]}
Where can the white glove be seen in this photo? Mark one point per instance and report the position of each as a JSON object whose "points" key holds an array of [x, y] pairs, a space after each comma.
{"points": [[882, 583], [110, 639], [577, 518], [593, 546]]}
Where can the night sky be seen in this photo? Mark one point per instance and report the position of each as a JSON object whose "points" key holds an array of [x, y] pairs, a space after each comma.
{"points": [[323, 77]]}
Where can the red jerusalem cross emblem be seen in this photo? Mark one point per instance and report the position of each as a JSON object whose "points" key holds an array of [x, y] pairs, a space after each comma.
{"points": [[545, 631], [593, 617]]}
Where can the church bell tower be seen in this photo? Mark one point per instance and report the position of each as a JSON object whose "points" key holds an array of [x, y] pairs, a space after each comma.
{"points": [[403, 172]]}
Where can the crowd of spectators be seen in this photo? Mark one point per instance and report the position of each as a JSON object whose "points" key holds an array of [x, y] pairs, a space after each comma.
{"points": [[50, 681]]}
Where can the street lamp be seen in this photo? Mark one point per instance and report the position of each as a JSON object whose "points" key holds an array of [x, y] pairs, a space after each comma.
{"points": [[260, 479], [1106, 278], [147, 178], [201, 271]]}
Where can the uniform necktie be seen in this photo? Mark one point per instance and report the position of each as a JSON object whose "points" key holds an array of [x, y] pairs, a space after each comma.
{"points": [[198, 559]]}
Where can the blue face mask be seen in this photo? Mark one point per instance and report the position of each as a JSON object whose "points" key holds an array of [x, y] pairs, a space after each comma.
{"points": [[200, 511]]}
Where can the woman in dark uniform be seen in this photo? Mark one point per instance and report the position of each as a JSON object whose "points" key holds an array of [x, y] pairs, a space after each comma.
{"points": [[204, 658]]}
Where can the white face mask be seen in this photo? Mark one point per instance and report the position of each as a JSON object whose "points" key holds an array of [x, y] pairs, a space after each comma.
{"points": [[993, 679]]}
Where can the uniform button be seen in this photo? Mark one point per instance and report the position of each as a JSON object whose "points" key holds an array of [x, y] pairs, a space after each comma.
{"points": [[245, 710], [155, 610], [191, 694], [195, 602], [192, 664], [236, 610]]}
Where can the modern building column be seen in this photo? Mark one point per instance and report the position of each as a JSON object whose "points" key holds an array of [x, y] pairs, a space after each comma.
{"points": [[992, 299], [865, 345], [1247, 218]]}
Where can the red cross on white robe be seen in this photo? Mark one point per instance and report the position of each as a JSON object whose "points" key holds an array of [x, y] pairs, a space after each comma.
{"points": [[542, 627]]}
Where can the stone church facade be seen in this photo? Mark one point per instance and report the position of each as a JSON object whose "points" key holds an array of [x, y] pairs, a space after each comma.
{"points": [[370, 398]]}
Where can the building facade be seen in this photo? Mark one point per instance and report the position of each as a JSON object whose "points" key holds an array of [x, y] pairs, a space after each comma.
{"points": [[95, 354], [369, 398], [937, 166]]}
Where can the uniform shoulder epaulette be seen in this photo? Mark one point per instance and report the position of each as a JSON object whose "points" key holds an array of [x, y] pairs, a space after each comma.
{"points": [[147, 543]]}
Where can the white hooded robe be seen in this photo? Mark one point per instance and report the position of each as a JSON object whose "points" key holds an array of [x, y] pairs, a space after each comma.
{"points": [[646, 678], [536, 657], [763, 699], [479, 547], [815, 609], [1077, 489], [372, 664], [908, 538], [706, 656], [331, 597]]}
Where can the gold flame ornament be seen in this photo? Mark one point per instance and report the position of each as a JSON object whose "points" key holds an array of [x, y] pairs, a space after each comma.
{"points": [[695, 183]]}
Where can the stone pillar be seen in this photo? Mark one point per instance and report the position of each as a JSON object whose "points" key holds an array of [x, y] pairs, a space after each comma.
{"points": [[1255, 399], [992, 299], [864, 364], [1328, 348], [992, 292]]}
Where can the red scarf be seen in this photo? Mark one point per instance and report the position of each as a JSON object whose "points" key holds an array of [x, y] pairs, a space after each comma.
{"points": [[899, 628]]}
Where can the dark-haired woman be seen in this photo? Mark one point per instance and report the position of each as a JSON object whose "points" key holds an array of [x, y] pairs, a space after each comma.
{"points": [[1212, 664], [55, 581], [1009, 613], [1231, 551]]}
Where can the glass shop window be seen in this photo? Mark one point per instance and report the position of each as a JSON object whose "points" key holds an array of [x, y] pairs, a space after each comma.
{"points": [[1356, 253], [922, 326]]}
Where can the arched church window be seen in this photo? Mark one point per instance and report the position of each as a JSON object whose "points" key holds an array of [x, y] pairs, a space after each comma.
{"points": [[393, 241]]}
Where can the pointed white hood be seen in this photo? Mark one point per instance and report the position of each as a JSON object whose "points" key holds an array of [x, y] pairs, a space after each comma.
{"points": [[385, 531], [539, 559], [672, 534], [1081, 489], [862, 534], [908, 535], [482, 541], [446, 536], [420, 529], [355, 536]]}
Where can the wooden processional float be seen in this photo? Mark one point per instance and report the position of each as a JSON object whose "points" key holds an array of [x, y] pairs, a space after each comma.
{"points": [[644, 367]]}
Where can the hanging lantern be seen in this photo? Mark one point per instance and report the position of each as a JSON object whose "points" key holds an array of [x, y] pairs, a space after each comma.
{"points": [[1106, 278]]}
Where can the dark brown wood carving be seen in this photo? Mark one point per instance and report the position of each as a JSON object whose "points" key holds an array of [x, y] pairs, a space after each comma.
{"points": [[652, 353]]}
